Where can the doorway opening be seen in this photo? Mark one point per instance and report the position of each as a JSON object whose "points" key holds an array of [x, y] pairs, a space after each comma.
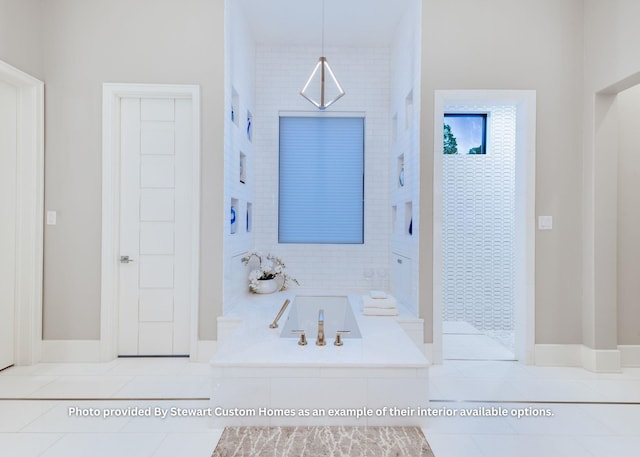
{"points": [[483, 225]]}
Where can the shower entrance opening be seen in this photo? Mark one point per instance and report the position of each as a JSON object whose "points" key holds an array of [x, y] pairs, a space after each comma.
{"points": [[483, 218]]}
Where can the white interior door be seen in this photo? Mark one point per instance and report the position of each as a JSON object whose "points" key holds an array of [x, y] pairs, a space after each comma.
{"points": [[8, 156], [155, 226]]}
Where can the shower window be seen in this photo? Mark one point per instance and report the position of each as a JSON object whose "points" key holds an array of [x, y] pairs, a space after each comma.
{"points": [[465, 133], [321, 180]]}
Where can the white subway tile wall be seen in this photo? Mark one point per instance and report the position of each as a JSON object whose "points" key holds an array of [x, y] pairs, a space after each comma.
{"points": [[365, 75]]}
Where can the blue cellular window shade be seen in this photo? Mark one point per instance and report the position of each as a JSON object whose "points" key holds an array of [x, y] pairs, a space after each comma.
{"points": [[321, 180]]}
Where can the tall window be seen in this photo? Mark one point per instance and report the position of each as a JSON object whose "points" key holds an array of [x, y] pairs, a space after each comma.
{"points": [[321, 197]]}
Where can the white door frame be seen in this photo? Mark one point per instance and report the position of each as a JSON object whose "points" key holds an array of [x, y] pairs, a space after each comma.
{"points": [[524, 311], [111, 95], [29, 213]]}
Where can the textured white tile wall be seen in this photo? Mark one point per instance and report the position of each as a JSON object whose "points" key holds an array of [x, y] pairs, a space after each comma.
{"points": [[478, 226], [365, 76]]}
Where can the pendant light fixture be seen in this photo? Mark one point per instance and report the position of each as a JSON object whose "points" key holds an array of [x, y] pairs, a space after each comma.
{"points": [[322, 87]]}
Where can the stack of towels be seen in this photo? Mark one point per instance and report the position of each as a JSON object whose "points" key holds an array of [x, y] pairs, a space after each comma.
{"points": [[379, 303]]}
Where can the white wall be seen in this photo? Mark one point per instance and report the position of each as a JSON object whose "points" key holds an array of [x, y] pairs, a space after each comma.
{"points": [[21, 35], [85, 45], [478, 226], [612, 64], [525, 44], [364, 74], [628, 251]]}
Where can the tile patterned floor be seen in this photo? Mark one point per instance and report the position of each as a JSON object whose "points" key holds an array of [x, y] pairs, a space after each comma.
{"points": [[602, 422]]}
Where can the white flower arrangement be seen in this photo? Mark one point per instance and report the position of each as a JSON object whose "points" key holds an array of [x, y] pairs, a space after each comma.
{"points": [[269, 267]]}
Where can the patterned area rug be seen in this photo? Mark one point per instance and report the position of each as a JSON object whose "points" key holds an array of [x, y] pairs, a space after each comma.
{"points": [[322, 442]]}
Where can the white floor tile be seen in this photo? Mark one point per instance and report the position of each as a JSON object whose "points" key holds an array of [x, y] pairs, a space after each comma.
{"points": [[26, 444], [610, 446], [82, 387], [453, 445], [566, 420], [529, 446], [467, 425], [621, 419], [173, 421], [106, 445], [616, 391], [470, 389], [15, 414], [21, 386], [168, 386], [189, 444], [59, 419], [473, 347]]}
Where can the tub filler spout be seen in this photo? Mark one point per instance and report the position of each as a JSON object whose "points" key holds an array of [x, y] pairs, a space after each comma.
{"points": [[320, 341]]}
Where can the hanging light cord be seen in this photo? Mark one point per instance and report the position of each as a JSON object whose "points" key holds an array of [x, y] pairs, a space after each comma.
{"points": [[323, 28]]}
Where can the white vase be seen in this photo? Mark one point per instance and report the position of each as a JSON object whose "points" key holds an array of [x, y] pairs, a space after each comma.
{"points": [[266, 286]]}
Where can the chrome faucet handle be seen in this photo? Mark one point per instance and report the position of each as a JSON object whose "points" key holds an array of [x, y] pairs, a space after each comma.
{"points": [[339, 333], [303, 338]]}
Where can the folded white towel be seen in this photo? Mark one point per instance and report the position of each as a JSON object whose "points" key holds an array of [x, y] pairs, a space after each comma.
{"points": [[388, 303], [377, 294], [380, 312]]}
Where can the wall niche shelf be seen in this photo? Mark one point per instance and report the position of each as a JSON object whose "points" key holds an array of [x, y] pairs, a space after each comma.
{"points": [[233, 216], [400, 182], [235, 106]]}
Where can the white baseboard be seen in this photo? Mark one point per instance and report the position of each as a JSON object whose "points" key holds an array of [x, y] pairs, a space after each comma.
{"points": [[89, 351], [579, 355], [630, 355], [206, 350], [70, 351], [601, 361]]}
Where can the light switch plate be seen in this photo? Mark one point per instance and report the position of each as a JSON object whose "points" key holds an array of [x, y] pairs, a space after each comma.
{"points": [[52, 217], [545, 222]]}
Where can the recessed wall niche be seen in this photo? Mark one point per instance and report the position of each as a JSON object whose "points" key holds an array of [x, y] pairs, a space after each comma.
{"points": [[249, 218], [235, 106], [400, 171], [408, 218], [408, 104], [243, 167], [249, 126], [233, 216]]}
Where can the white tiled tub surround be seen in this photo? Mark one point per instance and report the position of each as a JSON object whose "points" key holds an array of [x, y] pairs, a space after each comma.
{"points": [[254, 368]]}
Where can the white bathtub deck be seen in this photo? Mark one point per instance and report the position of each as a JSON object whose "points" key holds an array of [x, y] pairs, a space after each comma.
{"points": [[255, 368]]}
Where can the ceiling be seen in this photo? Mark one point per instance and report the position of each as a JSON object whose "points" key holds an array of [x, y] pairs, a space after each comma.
{"points": [[347, 22]]}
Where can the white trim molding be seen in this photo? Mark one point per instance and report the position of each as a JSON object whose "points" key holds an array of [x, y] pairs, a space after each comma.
{"points": [[112, 93], [525, 169], [30, 210], [579, 355]]}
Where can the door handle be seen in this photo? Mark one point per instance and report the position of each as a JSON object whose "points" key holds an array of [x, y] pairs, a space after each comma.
{"points": [[125, 259]]}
